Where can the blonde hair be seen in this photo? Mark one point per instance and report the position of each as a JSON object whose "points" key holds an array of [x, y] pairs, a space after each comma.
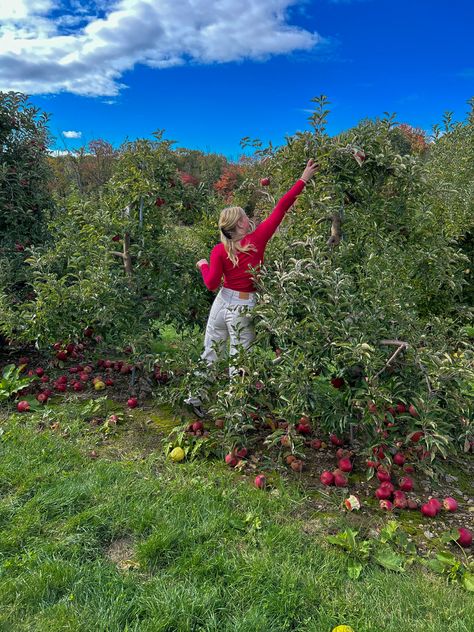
{"points": [[228, 220]]}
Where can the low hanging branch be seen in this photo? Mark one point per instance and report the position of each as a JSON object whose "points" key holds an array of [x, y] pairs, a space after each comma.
{"points": [[402, 346]]}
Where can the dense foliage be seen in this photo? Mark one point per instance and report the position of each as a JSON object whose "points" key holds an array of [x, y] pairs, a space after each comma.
{"points": [[382, 312]]}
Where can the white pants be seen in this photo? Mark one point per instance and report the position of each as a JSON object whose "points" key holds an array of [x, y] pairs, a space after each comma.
{"points": [[227, 323]]}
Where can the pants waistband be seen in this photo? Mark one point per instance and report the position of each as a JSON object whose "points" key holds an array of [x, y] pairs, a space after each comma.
{"points": [[227, 293]]}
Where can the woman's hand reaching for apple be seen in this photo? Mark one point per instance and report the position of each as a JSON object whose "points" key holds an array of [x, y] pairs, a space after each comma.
{"points": [[310, 170]]}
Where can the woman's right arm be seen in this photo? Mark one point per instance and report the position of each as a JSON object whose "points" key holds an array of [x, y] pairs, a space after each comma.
{"points": [[212, 272], [267, 228]]}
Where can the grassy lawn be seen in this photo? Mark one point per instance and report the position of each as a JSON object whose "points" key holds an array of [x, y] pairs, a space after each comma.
{"points": [[133, 542]]}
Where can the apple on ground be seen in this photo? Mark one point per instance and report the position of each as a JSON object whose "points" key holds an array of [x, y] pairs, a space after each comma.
{"points": [[429, 510], [260, 481], [345, 465], [23, 406], [230, 459], [399, 459], [406, 484], [297, 465], [132, 402], [327, 478], [465, 537], [450, 504], [340, 480]]}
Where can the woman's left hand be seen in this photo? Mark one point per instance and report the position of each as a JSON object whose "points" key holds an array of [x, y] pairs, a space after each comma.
{"points": [[200, 263]]}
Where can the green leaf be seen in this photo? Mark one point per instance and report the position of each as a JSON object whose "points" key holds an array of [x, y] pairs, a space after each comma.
{"points": [[468, 581], [354, 569], [386, 557]]}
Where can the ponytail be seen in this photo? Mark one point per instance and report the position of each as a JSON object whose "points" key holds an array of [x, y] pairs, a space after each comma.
{"points": [[228, 223]]}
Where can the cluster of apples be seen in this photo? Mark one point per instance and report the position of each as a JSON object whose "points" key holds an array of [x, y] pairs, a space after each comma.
{"points": [[235, 456], [79, 376], [197, 429], [344, 466], [73, 350]]}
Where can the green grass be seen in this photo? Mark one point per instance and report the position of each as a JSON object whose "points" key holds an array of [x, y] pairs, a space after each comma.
{"points": [[209, 552]]}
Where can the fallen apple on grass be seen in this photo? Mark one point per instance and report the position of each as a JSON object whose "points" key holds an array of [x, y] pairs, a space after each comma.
{"points": [[345, 465], [327, 478], [264, 182], [465, 537], [386, 505], [260, 481], [406, 484], [340, 480], [23, 406], [450, 504], [428, 510], [399, 459], [132, 402], [297, 465], [230, 459]]}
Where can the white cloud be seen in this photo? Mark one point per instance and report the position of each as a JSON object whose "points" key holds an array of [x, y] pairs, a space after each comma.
{"points": [[72, 134], [88, 55]]}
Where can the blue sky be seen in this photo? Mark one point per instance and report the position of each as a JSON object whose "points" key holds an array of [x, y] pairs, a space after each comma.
{"points": [[212, 71]]}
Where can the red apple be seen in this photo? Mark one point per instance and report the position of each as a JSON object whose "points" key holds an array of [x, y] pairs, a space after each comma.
{"points": [[383, 493], [197, 425], [399, 500], [132, 402], [77, 386], [230, 460], [428, 510], [23, 406], [388, 485], [465, 537], [265, 182], [340, 480], [401, 408], [241, 453], [327, 478], [39, 371], [412, 410], [399, 459], [436, 504], [88, 331], [386, 504], [383, 475], [335, 440], [450, 504], [303, 429], [345, 465], [61, 355], [316, 444], [116, 238], [337, 382], [406, 484], [260, 481]]}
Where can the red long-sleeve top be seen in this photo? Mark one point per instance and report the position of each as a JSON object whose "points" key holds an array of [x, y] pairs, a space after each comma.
{"points": [[238, 277]]}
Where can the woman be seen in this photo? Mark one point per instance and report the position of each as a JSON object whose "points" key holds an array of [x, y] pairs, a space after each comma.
{"points": [[242, 245]]}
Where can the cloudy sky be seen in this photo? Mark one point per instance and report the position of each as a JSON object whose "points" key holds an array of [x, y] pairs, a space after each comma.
{"points": [[212, 71]]}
